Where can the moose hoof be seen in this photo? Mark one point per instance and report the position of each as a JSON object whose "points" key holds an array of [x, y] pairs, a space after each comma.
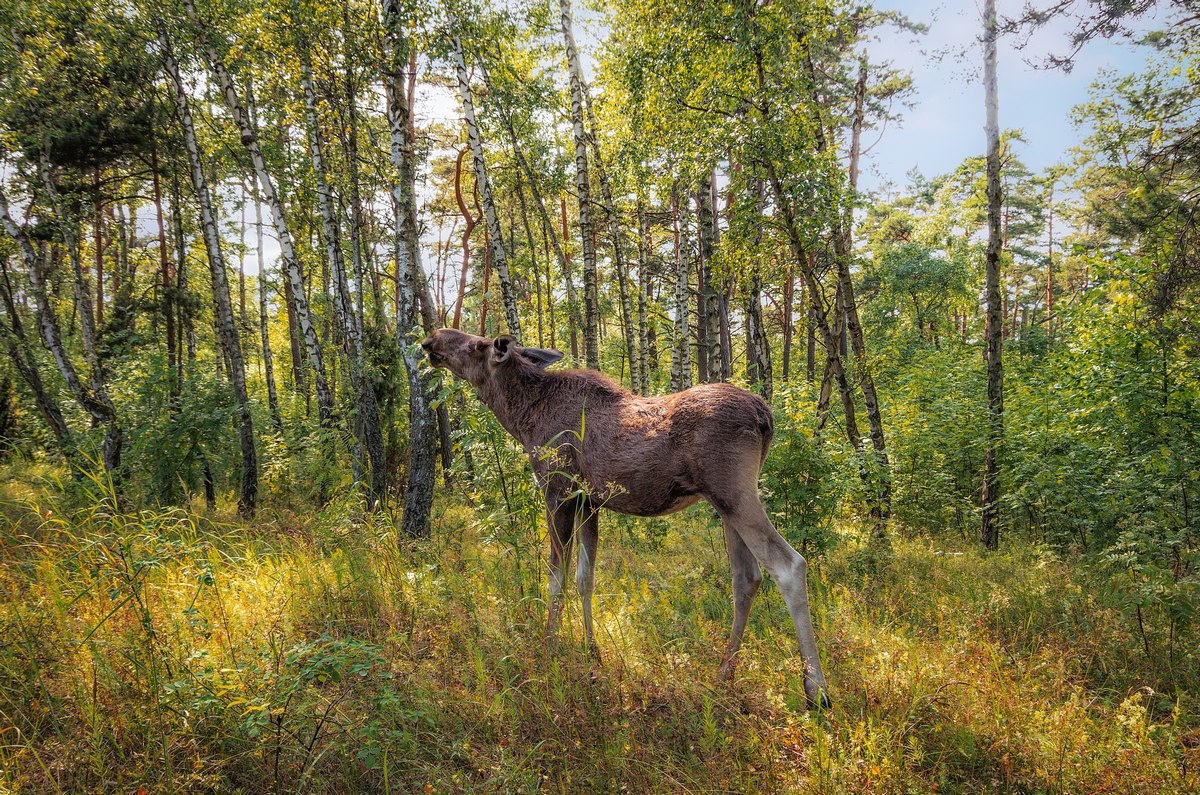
{"points": [[725, 672], [817, 698]]}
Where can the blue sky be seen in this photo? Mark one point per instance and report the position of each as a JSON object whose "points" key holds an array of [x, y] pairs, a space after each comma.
{"points": [[945, 124]]}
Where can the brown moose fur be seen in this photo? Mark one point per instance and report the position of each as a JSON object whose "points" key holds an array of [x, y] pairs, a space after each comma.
{"points": [[644, 456]]}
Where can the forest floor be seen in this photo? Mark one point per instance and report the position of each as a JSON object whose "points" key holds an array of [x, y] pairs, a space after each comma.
{"points": [[311, 652]]}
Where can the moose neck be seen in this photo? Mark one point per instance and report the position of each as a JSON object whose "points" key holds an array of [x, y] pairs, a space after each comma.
{"points": [[512, 392]]}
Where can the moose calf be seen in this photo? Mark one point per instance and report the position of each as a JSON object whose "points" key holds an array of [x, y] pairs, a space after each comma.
{"points": [[594, 444]]}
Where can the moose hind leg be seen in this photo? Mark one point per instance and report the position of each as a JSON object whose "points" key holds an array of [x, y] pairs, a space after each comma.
{"points": [[746, 515], [560, 520], [747, 577], [585, 571]]}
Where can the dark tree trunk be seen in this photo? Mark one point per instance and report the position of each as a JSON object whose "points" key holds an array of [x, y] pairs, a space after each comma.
{"points": [[989, 528]]}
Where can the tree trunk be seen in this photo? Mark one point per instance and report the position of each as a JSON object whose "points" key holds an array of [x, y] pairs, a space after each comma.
{"points": [[616, 239], [844, 252], [164, 269], [758, 348], [819, 309], [263, 318], [989, 528], [591, 297], [367, 425], [183, 303], [499, 257], [551, 235], [20, 351], [95, 399], [418, 496], [222, 306], [681, 343], [709, 308], [644, 246], [291, 262], [725, 336], [469, 222]]}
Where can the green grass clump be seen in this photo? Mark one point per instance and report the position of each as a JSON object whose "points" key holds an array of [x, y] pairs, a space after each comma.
{"points": [[176, 653]]}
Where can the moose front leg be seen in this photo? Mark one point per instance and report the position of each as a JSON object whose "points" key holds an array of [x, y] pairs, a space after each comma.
{"points": [[560, 521]]}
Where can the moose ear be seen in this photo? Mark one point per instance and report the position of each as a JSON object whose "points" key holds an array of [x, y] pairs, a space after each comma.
{"points": [[503, 347], [542, 357]]}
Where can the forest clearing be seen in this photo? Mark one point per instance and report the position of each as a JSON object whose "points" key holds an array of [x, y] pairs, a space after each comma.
{"points": [[254, 536]]}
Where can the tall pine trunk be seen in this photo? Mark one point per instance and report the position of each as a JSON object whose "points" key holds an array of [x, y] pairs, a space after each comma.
{"points": [[844, 252]]}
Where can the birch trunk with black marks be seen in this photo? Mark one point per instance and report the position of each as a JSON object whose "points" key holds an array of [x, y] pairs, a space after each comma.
{"points": [[263, 315], [721, 284], [418, 496], [708, 309], [643, 299], [222, 306], [94, 398], [591, 295], [368, 426], [617, 240], [758, 348], [20, 351], [164, 274], [548, 230], [989, 528], [490, 216], [681, 347], [291, 263]]}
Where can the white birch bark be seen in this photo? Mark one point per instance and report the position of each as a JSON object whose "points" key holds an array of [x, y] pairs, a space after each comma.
{"points": [[263, 317], [222, 305], [681, 349], [368, 425], [291, 262], [591, 297], [418, 495]]}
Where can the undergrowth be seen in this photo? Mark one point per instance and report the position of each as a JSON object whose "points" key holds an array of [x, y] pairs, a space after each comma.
{"points": [[168, 652]]}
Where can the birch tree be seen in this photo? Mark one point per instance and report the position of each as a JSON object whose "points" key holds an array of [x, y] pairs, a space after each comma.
{"points": [[293, 270], [222, 306], [368, 426], [989, 528], [418, 495], [591, 296]]}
